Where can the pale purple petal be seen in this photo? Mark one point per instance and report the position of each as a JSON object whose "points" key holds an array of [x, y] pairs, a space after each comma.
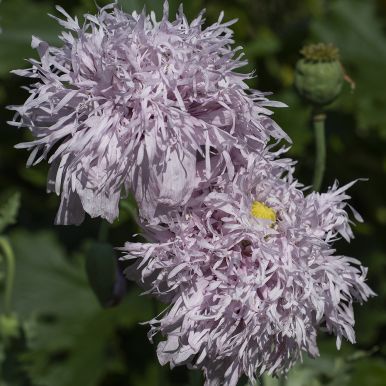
{"points": [[248, 296], [129, 103]]}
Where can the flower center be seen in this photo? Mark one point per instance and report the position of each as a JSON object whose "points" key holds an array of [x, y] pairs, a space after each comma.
{"points": [[262, 211]]}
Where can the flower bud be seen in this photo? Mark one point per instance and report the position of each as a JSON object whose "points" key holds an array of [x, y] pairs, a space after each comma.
{"points": [[9, 326], [319, 74]]}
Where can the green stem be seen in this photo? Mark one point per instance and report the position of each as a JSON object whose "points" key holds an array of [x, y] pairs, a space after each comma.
{"points": [[282, 381], [10, 276], [319, 119], [103, 232]]}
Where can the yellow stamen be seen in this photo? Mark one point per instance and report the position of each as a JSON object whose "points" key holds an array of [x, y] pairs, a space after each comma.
{"points": [[259, 210]]}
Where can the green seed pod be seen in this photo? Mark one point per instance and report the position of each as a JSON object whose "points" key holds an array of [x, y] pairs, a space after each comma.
{"points": [[319, 74]]}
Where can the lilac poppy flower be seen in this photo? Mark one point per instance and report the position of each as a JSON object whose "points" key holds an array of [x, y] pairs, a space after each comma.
{"points": [[251, 275], [129, 103]]}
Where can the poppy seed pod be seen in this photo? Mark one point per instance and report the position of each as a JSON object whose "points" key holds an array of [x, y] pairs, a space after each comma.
{"points": [[319, 74]]}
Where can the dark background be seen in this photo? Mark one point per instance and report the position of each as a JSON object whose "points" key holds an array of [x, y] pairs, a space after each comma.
{"points": [[64, 337]]}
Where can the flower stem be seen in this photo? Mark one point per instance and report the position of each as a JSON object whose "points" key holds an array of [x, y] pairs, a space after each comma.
{"points": [[282, 381], [319, 119], [10, 261], [103, 231]]}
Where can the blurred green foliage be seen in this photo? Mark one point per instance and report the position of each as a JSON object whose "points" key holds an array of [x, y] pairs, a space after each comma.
{"points": [[57, 334]]}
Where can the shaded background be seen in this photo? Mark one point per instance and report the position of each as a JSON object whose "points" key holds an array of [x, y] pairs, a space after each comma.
{"points": [[64, 336]]}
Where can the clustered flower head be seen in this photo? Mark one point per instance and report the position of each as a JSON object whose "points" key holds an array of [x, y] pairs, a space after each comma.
{"points": [[241, 255], [251, 275], [128, 103]]}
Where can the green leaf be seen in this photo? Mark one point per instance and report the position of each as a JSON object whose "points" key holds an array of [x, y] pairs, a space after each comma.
{"points": [[20, 19], [71, 339], [9, 208], [371, 372]]}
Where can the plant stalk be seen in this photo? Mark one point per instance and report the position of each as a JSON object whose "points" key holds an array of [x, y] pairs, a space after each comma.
{"points": [[319, 119], [10, 276], [282, 381], [103, 231]]}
